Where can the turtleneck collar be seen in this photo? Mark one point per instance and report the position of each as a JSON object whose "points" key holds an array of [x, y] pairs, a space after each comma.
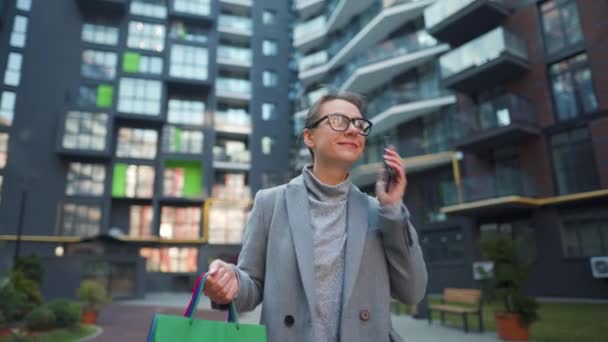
{"points": [[322, 191]]}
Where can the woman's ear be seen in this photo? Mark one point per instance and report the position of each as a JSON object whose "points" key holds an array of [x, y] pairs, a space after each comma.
{"points": [[308, 138]]}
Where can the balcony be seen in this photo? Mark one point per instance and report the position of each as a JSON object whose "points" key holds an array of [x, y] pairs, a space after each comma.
{"points": [[106, 7], [505, 191], [340, 12], [503, 121], [232, 155], [235, 27], [236, 5], [309, 34], [458, 21], [312, 60], [233, 90], [367, 30], [381, 63], [394, 106], [308, 8], [233, 57], [494, 58], [233, 122], [195, 13]]}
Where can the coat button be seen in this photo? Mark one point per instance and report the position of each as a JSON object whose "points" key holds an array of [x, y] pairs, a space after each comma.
{"points": [[364, 315], [289, 320]]}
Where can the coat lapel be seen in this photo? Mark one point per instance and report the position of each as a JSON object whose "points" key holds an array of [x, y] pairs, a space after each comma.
{"points": [[301, 230], [357, 213]]}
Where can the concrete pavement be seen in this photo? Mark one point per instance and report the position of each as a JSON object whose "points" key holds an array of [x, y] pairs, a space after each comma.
{"points": [[129, 320]]}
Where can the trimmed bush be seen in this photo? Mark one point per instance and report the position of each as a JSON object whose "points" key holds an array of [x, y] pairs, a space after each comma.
{"points": [[28, 287], [92, 294], [40, 319], [13, 304], [67, 312]]}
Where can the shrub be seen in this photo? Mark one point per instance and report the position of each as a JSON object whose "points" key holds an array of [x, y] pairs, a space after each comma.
{"points": [[28, 287], [67, 312], [92, 294], [40, 319], [13, 304], [31, 267]]}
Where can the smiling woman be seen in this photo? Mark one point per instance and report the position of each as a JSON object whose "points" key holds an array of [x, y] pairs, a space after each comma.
{"points": [[323, 288]]}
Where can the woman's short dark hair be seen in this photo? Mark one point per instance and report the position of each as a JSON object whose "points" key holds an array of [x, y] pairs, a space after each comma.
{"points": [[314, 111]]}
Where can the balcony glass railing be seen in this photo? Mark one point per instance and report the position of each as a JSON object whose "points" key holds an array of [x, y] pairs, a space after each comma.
{"points": [[234, 54], [233, 85], [235, 23], [312, 60], [386, 50], [441, 10], [504, 182], [309, 28], [232, 151], [233, 120], [480, 51]]}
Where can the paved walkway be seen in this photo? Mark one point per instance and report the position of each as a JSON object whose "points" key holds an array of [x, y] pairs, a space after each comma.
{"points": [[130, 320]]}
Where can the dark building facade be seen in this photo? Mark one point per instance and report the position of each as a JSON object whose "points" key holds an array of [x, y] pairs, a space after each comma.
{"points": [[499, 109], [150, 121]]}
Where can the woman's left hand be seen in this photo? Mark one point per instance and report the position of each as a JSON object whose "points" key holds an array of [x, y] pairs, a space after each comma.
{"points": [[399, 183]]}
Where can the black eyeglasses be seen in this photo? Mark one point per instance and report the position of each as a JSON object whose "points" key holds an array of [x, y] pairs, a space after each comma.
{"points": [[340, 123]]}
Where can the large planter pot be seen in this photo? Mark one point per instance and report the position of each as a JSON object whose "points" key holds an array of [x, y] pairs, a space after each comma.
{"points": [[509, 327], [89, 316]]}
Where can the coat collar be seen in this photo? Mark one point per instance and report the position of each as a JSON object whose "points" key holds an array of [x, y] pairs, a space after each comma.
{"points": [[298, 212]]}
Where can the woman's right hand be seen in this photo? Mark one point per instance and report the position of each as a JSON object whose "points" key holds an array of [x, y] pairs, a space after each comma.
{"points": [[222, 285]]}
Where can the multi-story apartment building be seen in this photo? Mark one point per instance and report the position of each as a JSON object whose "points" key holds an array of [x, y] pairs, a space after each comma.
{"points": [[498, 109], [149, 123]]}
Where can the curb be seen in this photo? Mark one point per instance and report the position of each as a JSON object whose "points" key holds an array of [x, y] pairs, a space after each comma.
{"points": [[98, 331]]}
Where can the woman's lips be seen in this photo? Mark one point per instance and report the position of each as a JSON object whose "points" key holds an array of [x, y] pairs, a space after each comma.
{"points": [[349, 144]]}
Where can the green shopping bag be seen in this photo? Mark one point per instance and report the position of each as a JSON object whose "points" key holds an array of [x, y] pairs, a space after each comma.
{"points": [[167, 328]]}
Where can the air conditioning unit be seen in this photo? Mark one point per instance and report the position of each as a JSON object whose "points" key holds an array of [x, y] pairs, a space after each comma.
{"points": [[482, 270], [599, 266]]}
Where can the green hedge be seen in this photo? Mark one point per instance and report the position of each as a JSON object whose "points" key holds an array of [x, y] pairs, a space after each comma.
{"points": [[67, 312], [40, 319]]}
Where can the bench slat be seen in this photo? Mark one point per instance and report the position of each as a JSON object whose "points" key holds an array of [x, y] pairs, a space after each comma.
{"points": [[451, 308], [470, 296]]}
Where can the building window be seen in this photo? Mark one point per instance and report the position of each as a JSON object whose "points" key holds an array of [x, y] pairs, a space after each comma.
{"points": [[269, 17], [188, 62], [179, 140], [269, 47], [573, 161], [7, 108], [85, 131], [146, 36], [1, 180], [136, 143], [149, 8], [99, 65], [233, 151], [139, 96], [182, 178], [267, 145], [270, 78], [133, 181], [85, 179], [231, 186], [572, 87], [19, 31], [99, 34], [24, 5], [80, 220], [561, 24], [12, 75], [443, 246], [180, 223], [269, 111], [186, 112], [197, 7], [3, 149], [188, 32], [136, 63], [585, 237], [140, 221], [100, 96], [227, 222], [171, 259]]}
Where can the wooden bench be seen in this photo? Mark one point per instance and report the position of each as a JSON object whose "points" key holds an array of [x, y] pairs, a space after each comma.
{"points": [[450, 304]]}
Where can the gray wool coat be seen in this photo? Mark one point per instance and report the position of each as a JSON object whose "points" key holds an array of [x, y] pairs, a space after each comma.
{"points": [[382, 260]]}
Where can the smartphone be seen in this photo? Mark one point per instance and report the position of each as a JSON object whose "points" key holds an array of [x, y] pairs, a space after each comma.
{"points": [[389, 172]]}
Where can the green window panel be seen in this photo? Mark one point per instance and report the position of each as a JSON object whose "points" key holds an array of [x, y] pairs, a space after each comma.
{"points": [[119, 180], [104, 96], [177, 140], [130, 62], [193, 176]]}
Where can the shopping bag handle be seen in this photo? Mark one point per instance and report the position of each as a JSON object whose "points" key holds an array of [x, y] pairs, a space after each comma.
{"points": [[196, 294]]}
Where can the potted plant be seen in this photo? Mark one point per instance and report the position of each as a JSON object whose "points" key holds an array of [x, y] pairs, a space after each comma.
{"points": [[509, 274], [93, 295]]}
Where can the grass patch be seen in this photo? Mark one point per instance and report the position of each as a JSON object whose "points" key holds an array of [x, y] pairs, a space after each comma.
{"points": [[559, 322], [57, 335]]}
